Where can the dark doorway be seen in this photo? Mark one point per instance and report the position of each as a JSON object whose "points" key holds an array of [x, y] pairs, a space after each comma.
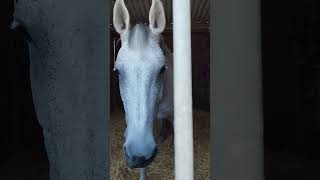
{"points": [[22, 152], [291, 76]]}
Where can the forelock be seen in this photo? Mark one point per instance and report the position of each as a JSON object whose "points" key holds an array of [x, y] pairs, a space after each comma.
{"points": [[138, 36]]}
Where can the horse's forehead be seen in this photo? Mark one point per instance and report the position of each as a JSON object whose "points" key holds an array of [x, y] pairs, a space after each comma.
{"points": [[141, 57]]}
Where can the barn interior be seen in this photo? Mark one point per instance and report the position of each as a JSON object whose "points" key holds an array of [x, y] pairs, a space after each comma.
{"points": [[291, 92]]}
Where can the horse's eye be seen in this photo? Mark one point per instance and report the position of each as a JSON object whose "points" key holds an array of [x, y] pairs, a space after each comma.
{"points": [[116, 71], [163, 69]]}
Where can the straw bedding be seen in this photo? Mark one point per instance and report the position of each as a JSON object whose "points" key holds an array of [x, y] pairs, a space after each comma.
{"points": [[163, 166]]}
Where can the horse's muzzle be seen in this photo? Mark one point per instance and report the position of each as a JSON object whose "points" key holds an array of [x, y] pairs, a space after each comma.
{"points": [[140, 162]]}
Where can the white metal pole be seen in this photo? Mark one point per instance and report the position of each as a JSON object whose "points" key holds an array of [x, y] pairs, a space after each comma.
{"points": [[183, 127]]}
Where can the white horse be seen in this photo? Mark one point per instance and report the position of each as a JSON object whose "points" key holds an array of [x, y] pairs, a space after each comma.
{"points": [[144, 67]]}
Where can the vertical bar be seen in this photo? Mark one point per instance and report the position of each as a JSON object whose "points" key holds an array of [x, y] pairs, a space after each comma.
{"points": [[183, 136], [237, 128]]}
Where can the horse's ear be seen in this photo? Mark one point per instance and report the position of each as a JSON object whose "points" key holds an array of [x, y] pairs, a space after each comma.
{"points": [[121, 18], [157, 18]]}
